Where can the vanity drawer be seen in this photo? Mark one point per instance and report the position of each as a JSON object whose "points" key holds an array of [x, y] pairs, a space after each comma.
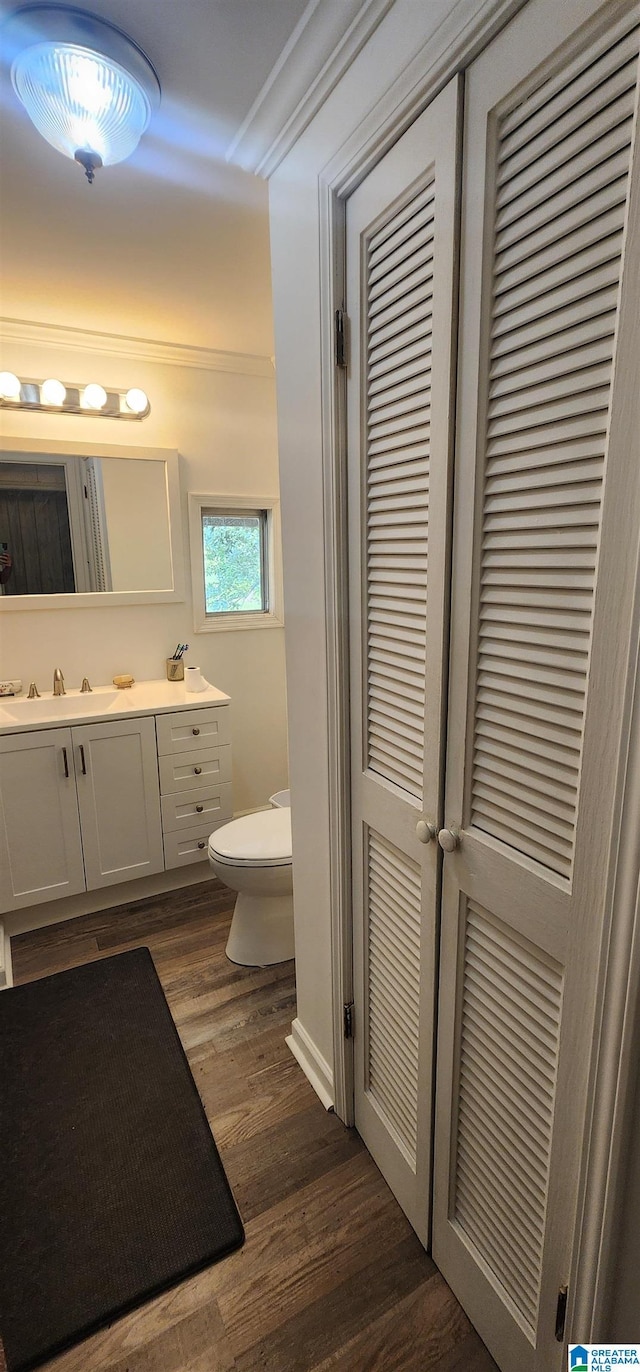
{"points": [[185, 809], [188, 729], [187, 845], [198, 768]]}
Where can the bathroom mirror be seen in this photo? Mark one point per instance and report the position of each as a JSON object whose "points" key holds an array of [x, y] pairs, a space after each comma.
{"points": [[87, 525]]}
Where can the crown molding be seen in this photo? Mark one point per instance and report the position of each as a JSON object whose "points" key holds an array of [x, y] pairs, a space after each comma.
{"points": [[325, 41], [465, 31], [136, 349]]}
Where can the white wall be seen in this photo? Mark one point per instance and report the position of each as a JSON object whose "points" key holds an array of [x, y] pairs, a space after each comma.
{"points": [[167, 246], [223, 425], [295, 258]]}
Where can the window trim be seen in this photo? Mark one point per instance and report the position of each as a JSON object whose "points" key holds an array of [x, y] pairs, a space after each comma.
{"points": [[271, 618]]}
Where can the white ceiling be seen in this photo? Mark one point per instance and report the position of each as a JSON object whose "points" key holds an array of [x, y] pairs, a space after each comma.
{"points": [[212, 56], [173, 244]]}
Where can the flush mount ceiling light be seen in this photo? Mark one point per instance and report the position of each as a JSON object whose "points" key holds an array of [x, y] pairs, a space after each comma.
{"points": [[89, 90]]}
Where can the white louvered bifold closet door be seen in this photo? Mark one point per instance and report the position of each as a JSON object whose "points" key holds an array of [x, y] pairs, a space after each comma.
{"points": [[401, 225], [547, 477]]}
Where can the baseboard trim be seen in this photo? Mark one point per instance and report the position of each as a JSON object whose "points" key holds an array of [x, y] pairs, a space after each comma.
{"points": [[89, 902], [6, 974], [314, 1066]]}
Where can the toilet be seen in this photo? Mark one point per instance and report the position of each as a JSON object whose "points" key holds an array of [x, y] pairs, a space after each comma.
{"points": [[252, 855]]}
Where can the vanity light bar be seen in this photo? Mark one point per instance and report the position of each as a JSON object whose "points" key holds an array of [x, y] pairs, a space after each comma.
{"points": [[58, 397]]}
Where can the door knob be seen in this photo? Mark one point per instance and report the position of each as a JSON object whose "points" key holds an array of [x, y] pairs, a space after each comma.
{"points": [[449, 840], [425, 831]]}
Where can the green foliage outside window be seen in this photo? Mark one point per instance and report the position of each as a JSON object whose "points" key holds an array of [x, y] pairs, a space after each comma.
{"points": [[233, 563]]}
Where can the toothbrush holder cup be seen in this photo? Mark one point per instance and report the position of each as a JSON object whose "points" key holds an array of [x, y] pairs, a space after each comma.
{"points": [[175, 669]]}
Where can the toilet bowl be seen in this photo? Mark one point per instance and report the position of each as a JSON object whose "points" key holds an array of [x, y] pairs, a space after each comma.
{"points": [[252, 855]]}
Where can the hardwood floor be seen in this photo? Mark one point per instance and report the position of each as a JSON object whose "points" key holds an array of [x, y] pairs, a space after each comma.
{"points": [[331, 1275]]}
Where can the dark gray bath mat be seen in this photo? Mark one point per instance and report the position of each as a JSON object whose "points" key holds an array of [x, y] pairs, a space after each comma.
{"points": [[111, 1185]]}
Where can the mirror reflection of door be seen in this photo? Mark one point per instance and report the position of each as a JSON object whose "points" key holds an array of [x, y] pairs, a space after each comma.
{"points": [[34, 524], [77, 524]]}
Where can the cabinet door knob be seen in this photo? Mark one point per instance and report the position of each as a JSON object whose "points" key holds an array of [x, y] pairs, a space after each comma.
{"points": [[449, 840], [195, 731], [197, 771], [199, 809], [425, 831], [201, 843]]}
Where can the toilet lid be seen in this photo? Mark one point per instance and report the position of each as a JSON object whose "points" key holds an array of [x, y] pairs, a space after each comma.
{"points": [[260, 840]]}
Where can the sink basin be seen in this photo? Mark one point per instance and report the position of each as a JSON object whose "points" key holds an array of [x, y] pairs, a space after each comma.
{"points": [[50, 707]]}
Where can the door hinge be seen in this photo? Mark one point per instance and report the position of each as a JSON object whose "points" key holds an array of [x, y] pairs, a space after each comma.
{"points": [[348, 1020], [561, 1313], [341, 338]]}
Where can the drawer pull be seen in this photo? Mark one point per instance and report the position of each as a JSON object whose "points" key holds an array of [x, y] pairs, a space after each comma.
{"points": [[201, 843], [199, 809], [66, 762], [82, 760], [197, 771], [195, 731]]}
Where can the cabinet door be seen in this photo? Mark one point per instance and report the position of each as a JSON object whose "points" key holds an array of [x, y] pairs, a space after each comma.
{"points": [[119, 800], [401, 236], [40, 848], [547, 512]]}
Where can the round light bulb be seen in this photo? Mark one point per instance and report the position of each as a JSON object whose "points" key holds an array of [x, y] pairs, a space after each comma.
{"points": [[53, 392], [136, 400], [94, 397], [9, 386]]}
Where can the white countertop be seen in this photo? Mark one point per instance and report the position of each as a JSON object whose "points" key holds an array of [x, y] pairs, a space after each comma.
{"points": [[18, 714]]}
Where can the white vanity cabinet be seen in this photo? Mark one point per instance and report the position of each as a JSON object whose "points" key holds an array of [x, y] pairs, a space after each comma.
{"points": [[80, 810], [118, 800], [40, 843], [194, 759], [102, 801]]}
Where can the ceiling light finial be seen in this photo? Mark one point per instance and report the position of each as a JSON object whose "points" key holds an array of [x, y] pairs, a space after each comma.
{"points": [[87, 87]]}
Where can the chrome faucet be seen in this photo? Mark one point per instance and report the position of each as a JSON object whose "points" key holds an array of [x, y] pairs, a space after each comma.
{"points": [[58, 683]]}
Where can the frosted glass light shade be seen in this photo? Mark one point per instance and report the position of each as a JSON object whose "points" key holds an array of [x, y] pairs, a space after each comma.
{"points": [[87, 87], [53, 392], [9, 386], [136, 400], [79, 101], [94, 397]]}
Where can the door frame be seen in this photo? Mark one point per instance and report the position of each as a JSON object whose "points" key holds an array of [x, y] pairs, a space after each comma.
{"points": [[612, 1057]]}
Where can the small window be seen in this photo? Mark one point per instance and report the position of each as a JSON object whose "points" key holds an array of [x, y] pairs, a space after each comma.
{"points": [[235, 562], [234, 544]]}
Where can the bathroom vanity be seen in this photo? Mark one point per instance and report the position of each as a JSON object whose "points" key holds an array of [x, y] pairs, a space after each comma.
{"points": [[107, 787]]}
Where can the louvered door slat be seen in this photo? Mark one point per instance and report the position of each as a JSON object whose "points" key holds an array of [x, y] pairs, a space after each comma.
{"points": [[599, 189], [532, 401], [408, 222], [566, 159], [398, 400], [550, 100], [552, 337], [506, 1032], [392, 1057]]}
